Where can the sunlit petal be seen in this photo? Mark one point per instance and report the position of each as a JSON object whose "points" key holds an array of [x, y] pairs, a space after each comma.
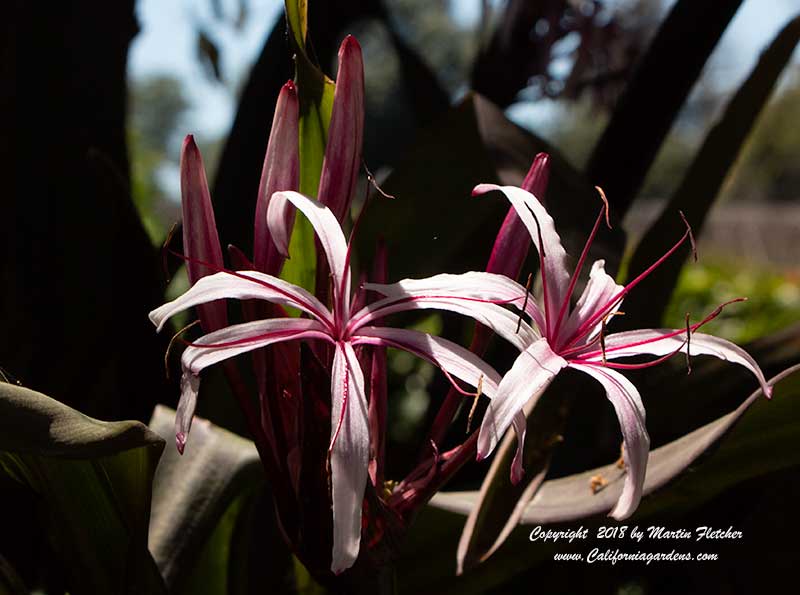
{"points": [[555, 260], [349, 455], [330, 237], [242, 285], [664, 341], [630, 412], [532, 371], [600, 288]]}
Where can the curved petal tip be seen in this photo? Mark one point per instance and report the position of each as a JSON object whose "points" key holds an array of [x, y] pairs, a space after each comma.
{"points": [[483, 189], [180, 441]]}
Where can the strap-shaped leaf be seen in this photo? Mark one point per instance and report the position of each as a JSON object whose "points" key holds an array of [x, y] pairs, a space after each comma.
{"points": [[701, 184], [749, 450], [659, 88], [94, 480], [500, 503], [210, 515], [428, 564]]}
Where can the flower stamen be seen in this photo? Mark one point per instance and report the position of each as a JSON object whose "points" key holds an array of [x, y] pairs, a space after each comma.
{"points": [[524, 302], [172, 342], [688, 343], [565, 304], [542, 256], [588, 324], [478, 393], [691, 236], [165, 250]]}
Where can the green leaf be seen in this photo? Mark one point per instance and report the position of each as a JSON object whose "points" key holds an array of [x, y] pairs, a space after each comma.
{"points": [[702, 182], [315, 92], [297, 17], [203, 503], [94, 480]]}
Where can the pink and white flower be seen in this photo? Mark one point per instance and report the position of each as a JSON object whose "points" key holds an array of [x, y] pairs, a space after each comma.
{"points": [[564, 337], [575, 338], [344, 329]]}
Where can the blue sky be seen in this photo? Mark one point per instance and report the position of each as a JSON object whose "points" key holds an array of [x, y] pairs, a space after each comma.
{"points": [[166, 44]]}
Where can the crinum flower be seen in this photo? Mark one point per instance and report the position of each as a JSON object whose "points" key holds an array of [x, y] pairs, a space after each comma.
{"points": [[563, 337], [576, 338], [344, 329]]}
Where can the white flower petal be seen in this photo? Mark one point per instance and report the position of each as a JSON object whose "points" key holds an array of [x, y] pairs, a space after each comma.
{"points": [[532, 371], [555, 261], [248, 336], [349, 455], [502, 321], [450, 357], [630, 412], [599, 290], [471, 285], [330, 237], [256, 285], [654, 342]]}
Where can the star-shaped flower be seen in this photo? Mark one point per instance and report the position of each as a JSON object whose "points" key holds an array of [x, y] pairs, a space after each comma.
{"points": [[561, 337], [576, 338], [349, 443]]}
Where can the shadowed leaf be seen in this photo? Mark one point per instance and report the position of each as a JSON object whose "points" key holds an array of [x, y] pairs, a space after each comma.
{"points": [[500, 503], [701, 184], [428, 563], [93, 479], [208, 52], [747, 452], [437, 225], [622, 157], [202, 502], [10, 582]]}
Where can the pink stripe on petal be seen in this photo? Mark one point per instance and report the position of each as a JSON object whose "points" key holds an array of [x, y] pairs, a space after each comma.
{"points": [[248, 336], [450, 357], [490, 287], [630, 411], [500, 320], [513, 241], [331, 239], [600, 288], [530, 374], [242, 285], [555, 260], [654, 342], [349, 455]]}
